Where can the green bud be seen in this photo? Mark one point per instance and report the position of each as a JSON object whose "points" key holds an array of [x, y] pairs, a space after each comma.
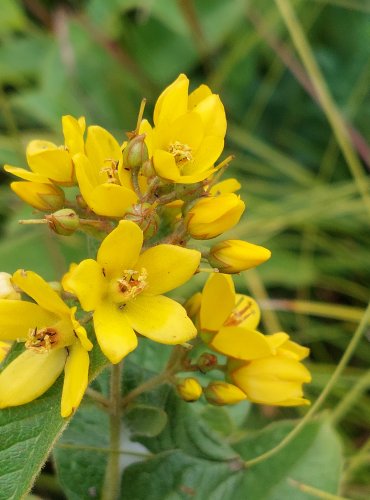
{"points": [[206, 362], [135, 153], [147, 169], [64, 222]]}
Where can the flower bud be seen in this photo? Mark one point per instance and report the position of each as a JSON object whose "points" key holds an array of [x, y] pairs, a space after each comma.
{"points": [[136, 152], [147, 169], [64, 222], [222, 393], [206, 362], [7, 289], [212, 216], [234, 256], [42, 196], [145, 216], [189, 389]]}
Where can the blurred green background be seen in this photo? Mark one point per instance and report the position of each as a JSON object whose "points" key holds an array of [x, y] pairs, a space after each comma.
{"points": [[305, 202]]}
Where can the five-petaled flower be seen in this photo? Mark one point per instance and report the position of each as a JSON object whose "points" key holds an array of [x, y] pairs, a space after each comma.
{"points": [[124, 287], [54, 341]]}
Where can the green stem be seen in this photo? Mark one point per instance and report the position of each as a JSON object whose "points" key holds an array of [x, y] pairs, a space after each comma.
{"points": [[324, 394], [315, 492], [112, 481], [350, 398]]}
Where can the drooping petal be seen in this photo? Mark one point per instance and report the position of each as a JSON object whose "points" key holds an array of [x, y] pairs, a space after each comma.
{"points": [[218, 300], [111, 200], [173, 101], [17, 317], [115, 336], [168, 266], [73, 131], [76, 372], [26, 175], [34, 286], [160, 318], [241, 343], [30, 375], [46, 159], [120, 250], [87, 281]]}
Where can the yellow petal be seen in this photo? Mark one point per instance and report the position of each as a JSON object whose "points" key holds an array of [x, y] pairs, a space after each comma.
{"points": [[147, 129], [241, 343], [165, 165], [111, 200], [34, 286], [101, 149], [246, 313], [160, 318], [30, 375], [48, 160], [115, 336], [73, 134], [42, 196], [212, 113], [80, 331], [173, 102], [198, 95], [218, 300], [27, 175], [17, 317], [76, 372], [226, 186], [208, 152], [187, 129], [87, 281], [294, 350], [168, 266], [120, 250]]}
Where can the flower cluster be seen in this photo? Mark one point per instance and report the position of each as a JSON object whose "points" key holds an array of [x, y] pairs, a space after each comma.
{"points": [[144, 198]]}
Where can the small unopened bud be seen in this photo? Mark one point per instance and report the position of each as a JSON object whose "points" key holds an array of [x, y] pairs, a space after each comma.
{"points": [[145, 216], [234, 256], [147, 169], [135, 153], [206, 362], [222, 393], [64, 222], [189, 389], [7, 289], [40, 195]]}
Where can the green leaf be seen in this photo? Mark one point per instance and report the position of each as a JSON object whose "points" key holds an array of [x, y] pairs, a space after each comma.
{"points": [[314, 458], [28, 433], [145, 420]]}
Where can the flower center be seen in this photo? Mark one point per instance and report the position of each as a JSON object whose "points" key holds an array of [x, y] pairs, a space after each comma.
{"points": [[111, 169], [243, 309], [181, 152], [42, 340], [129, 285]]}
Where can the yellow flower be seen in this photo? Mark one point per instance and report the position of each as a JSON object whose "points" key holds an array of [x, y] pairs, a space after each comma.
{"points": [[4, 349], [124, 289], [7, 289], [49, 162], [189, 389], [234, 256], [188, 134], [104, 184], [223, 393], [54, 342], [211, 216], [274, 380], [43, 196], [226, 186]]}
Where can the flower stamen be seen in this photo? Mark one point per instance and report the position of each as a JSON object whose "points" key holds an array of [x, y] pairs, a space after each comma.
{"points": [[41, 340], [111, 170], [181, 152], [240, 314], [130, 284]]}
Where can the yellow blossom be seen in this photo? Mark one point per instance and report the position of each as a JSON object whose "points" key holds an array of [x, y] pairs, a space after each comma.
{"points": [[211, 216], [54, 342], [223, 393], [234, 256], [49, 162], [188, 134], [189, 389], [7, 289], [43, 196], [104, 184], [274, 380], [124, 289]]}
